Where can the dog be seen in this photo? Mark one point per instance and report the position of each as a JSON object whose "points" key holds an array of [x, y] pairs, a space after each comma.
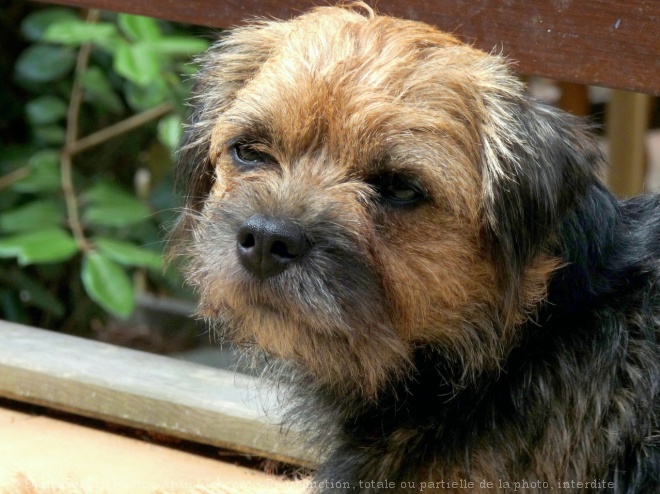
{"points": [[426, 257]]}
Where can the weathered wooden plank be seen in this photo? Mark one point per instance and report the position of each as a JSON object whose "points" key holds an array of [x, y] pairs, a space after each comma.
{"points": [[40, 454], [602, 42], [138, 389]]}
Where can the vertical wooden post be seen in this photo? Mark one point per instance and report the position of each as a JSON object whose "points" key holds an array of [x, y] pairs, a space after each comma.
{"points": [[574, 98], [626, 126]]}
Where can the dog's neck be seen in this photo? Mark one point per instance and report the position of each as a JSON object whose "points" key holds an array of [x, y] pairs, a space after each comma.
{"points": [[536, 384]]}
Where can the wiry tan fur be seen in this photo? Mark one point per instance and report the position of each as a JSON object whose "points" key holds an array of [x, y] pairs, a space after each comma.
{"points": [[501, 325], [321, 84]]}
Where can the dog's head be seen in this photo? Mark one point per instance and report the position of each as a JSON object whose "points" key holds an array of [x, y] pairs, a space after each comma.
{"points": [[359, 186]]}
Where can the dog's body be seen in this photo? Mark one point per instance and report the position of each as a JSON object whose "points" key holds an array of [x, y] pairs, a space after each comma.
{"points": [[429, 254]]}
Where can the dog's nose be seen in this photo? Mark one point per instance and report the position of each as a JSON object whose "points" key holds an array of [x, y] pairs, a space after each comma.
{"points": [[267, 246]]}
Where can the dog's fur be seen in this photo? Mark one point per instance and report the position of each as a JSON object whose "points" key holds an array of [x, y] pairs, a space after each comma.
{"points": [[500, 327]]}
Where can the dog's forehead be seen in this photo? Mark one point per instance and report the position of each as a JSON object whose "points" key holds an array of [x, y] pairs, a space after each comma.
{"points": [[350, 55], [338, 80]]}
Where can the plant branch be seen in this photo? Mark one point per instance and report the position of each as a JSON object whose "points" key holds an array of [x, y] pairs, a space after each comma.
{"points": [[14, 176], [73, 145], [66, 164], [120, 128]]}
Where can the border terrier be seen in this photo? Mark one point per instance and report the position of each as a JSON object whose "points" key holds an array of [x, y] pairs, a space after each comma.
{"points": [[427, 256]]}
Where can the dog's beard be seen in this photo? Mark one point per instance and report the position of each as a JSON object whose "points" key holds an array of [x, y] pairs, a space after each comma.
{"points": [[325, 314]]}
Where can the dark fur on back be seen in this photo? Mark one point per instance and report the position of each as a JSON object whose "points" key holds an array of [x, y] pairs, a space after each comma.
{"points": [[582, 383]]}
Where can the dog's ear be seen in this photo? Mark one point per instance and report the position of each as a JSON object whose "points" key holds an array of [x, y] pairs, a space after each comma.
{"points": [[224, 69], [539, 163]]}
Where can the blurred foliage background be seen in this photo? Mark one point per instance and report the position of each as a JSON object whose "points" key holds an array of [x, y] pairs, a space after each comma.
{"points": [[92, 110]]}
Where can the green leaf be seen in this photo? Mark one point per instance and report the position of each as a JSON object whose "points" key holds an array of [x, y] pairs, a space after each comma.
{"points": [[111, 206], [42, 247], [44, 173], [45, 63], [33, 292], [14, 155], [45, 110], [35, 24], [178, 45], [116, 216], [106, 193], [53, 134], [144, 97], [108, 284], [129, 254], [75, 32], [138, 63], [170, 131], [99, 88], [11, 307], [139, 28], [35, 215], [186, 69]]}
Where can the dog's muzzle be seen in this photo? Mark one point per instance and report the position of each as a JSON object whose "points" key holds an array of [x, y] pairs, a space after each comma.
{"points": [[267, 246]]}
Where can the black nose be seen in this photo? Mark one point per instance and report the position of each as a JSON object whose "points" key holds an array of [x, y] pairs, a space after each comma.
{"points": [[267, 246]]}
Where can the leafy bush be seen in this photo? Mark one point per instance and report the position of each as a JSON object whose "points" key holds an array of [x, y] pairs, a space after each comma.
{"points": [[83, 200]]}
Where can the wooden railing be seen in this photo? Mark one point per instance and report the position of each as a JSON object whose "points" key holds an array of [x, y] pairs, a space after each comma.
{"points": [[611, 43]]}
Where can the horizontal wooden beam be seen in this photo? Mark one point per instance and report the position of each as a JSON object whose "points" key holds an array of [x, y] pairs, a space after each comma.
{"points": [[42, 454], [609, 43], [142, 390]]}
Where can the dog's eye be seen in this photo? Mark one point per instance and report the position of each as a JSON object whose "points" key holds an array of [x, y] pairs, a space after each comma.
{"points": [[400, 194], [397, 191], [245, 154]]}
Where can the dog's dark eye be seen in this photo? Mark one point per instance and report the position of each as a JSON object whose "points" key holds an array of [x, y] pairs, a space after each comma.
{"points": [[400, 193], [246, 155], [397, 191]]}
